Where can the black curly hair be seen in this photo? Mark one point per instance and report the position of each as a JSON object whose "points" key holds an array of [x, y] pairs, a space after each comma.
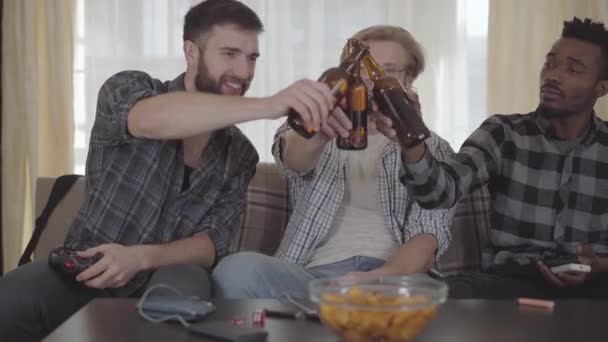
{"points": [[592, 32]]}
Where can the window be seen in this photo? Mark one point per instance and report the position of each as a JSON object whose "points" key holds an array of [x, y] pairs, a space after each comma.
{"points": [[301, 39]]}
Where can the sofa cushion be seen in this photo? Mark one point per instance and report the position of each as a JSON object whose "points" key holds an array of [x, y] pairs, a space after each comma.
{"points": [[469, 233], [265, 218], [262, 222]]}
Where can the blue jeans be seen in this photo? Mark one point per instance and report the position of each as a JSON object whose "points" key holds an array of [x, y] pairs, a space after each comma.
{"points": [[255, 275]]}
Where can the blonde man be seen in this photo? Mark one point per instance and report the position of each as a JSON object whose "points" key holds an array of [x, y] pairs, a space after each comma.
{"points": [[350, 212]]}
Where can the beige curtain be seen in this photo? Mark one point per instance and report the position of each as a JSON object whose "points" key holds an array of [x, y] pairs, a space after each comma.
{"points": [[37, 109], [520, 33]]}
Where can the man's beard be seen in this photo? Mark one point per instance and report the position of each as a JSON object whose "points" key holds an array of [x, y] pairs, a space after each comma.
{"points": [[549, 112], [206, 84]]}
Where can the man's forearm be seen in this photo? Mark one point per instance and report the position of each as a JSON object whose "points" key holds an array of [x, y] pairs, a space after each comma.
{"points": [[198, 249], [414, 256], [179, 115], [301, 154], [426, 179]]}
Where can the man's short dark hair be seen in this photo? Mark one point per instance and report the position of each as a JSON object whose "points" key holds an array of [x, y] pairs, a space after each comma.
{"points": [[592, 32], [202, 17]]}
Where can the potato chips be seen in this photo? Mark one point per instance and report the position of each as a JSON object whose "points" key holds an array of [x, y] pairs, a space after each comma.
{"points": [[372, 316]]}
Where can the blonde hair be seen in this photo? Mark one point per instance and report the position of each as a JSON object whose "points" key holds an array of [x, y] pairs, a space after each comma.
{"points": [[398, 35]]}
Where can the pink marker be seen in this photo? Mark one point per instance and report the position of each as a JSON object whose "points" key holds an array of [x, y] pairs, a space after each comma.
{"points": [[539, 303]]}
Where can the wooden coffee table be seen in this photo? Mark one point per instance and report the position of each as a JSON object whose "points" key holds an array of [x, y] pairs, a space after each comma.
{"points": [[458, 321], [117, 320]]}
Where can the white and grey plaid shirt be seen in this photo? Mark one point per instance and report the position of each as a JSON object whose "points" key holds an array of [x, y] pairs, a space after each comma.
{"points": [[548, 195], [314, 199]]}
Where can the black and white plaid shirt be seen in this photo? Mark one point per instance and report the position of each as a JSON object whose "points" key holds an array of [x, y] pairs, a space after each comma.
{"points": [[133, 192], [548, 194]]}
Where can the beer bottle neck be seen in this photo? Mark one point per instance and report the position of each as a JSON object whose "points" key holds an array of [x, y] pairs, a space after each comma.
{"points": [[374, 71], [353, 60], [346, 65], [356, 72]]}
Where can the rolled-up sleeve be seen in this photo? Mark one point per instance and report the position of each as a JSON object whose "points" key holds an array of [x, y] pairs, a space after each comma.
{"points": [[116, 97], [300, 183], [436, 222], [277, 152]]}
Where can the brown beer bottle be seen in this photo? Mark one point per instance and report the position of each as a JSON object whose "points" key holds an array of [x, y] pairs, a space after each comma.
{"points": [[356, 110], [337, 80], [393, 102]]}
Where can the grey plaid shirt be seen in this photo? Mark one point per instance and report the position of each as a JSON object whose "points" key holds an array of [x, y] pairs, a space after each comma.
{"points": [[547, 196], [314, 199], [133, 191]]}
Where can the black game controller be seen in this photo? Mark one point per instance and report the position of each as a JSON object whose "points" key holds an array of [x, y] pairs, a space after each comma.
{"points": [[65, 261]]}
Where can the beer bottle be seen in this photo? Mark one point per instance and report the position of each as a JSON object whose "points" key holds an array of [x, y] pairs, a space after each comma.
{"points": [[393, 102], [356, 110], [337, 80]]}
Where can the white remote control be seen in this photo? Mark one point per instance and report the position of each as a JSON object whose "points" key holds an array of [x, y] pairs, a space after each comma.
{"points": [[571, 268]]}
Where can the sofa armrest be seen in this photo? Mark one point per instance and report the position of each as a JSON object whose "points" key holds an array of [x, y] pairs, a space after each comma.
{"points": [[61, 218]]}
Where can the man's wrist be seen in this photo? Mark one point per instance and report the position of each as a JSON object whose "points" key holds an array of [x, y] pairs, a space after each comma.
{"points": [[413, 154], [386, 270], [316, 142], [263, 108], [397, 270], [144, 255]]}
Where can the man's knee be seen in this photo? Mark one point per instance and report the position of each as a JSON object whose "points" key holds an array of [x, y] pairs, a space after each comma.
{"points": [[189, 280], [19, 292], [491, 286], [243, 275], [35, 300], [27, 289], [461, 286]]}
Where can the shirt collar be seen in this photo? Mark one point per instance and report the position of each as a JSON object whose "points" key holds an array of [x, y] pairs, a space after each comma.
{"points": [[549, 131]]}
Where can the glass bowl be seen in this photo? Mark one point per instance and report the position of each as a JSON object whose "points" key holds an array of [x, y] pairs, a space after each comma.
{"points": [[386, 309]]}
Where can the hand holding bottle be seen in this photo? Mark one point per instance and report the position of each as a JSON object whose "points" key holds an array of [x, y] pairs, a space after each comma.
{"points": [[338, 124], [336, 79], [384, 124], [396, 103], [312, 100]]}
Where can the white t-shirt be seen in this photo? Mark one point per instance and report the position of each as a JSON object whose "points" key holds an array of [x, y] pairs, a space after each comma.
{"points": [[358, 228]]}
